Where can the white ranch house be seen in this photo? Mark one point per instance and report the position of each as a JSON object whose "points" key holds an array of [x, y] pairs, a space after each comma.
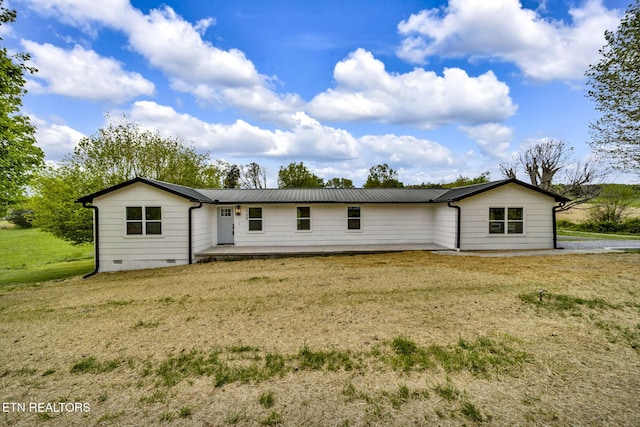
{"points": [[145, 223]]}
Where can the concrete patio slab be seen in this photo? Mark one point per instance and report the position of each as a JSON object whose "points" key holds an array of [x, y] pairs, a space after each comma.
{"points": [[228, 252]]}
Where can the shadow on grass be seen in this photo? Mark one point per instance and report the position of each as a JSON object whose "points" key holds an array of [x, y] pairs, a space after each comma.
{"points": [[53, 271]]}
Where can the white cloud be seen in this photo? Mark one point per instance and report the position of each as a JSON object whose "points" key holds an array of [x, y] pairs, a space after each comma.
{"points": [[335, 152], [81, 73], [265, 103], [56, 140], [543, 49], [407, 151], [239, 138], [310, 138], [366, 91], [5, 31], [175, 46], [493, 139], [212, 75], [84, 14], [306, 138]]}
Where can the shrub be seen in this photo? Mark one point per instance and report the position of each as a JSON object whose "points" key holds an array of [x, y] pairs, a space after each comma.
{"points": [[628, 226], [567, 225], [632, 225], [607, 227], [21, 218]]}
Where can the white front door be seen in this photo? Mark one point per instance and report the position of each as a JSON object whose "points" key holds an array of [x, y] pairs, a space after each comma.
{"points": [[225, 226]]}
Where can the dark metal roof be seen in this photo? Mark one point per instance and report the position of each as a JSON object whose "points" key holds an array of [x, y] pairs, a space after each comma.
{"points": [[459, 193], [178, 190], [323, 195]]}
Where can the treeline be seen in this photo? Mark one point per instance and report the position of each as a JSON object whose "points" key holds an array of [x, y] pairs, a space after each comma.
{"points": [[123, 150], [610, 211], [626, 226]]}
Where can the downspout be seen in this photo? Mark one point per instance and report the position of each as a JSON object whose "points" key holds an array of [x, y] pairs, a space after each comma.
{"points": [[96, 239], [555, 231], [458, 224], [191, 231]]}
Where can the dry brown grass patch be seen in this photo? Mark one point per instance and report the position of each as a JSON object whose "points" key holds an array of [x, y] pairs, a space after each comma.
{"points": [[204, 344]]}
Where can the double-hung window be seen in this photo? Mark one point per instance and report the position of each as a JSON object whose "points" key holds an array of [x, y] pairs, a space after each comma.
{"points": [[255, 219], [506, 220], [303, 216], [353, 218], [144, 220]]}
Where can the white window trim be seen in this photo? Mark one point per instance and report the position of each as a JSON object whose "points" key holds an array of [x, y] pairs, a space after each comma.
{"points": [[144, 235], [506, 222], [255, 219], [310, 218], [358, 230]]}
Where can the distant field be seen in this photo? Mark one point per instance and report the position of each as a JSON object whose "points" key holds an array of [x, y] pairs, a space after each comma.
{"points": [[397, 339], [29, 255], [581, 213]]}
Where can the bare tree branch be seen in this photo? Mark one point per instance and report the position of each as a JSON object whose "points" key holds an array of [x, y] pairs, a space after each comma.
{"points": [[509, 169], [543, 161]]}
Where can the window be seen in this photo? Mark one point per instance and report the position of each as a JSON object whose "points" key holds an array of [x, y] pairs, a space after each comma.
{"points": [[255, 219], [144, 220], [506, 220], [304, 218], [225, 211], [353, 218]]}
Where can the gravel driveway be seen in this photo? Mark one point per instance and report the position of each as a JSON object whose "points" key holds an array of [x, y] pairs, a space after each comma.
{"points": [[589, 244], [577, 245]]}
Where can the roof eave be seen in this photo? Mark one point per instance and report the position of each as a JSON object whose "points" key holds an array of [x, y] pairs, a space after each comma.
{"points": [[557, 197], [89, 198]]}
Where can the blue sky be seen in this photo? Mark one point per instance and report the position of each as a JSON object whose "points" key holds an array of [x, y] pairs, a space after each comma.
{"points": [[435, 89]]}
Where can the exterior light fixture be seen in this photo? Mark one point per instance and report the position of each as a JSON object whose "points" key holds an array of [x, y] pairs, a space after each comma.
{"points": [[237, 210]]}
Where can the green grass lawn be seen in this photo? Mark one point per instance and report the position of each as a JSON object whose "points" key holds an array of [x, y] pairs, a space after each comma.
{"points": [[30, 255]]}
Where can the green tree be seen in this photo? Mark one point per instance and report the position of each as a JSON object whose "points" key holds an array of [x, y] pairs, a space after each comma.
{"points": [[382, 176], [339, 183], [296, 175], [19, 156], [123, 151], [119, 152], [21, 218], [614, 85], [232, 177], [459, 182], [54, 207]]}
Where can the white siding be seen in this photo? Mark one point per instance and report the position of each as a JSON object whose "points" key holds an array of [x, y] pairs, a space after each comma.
{"points": [[202, 224], [121, 252], [538, 222], [380, 224], [444, 225]]}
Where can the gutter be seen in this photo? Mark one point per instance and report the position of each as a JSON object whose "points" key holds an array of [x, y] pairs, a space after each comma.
{"points": [[96, 240], [554, 211], [191, 231], [458, 224]]}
